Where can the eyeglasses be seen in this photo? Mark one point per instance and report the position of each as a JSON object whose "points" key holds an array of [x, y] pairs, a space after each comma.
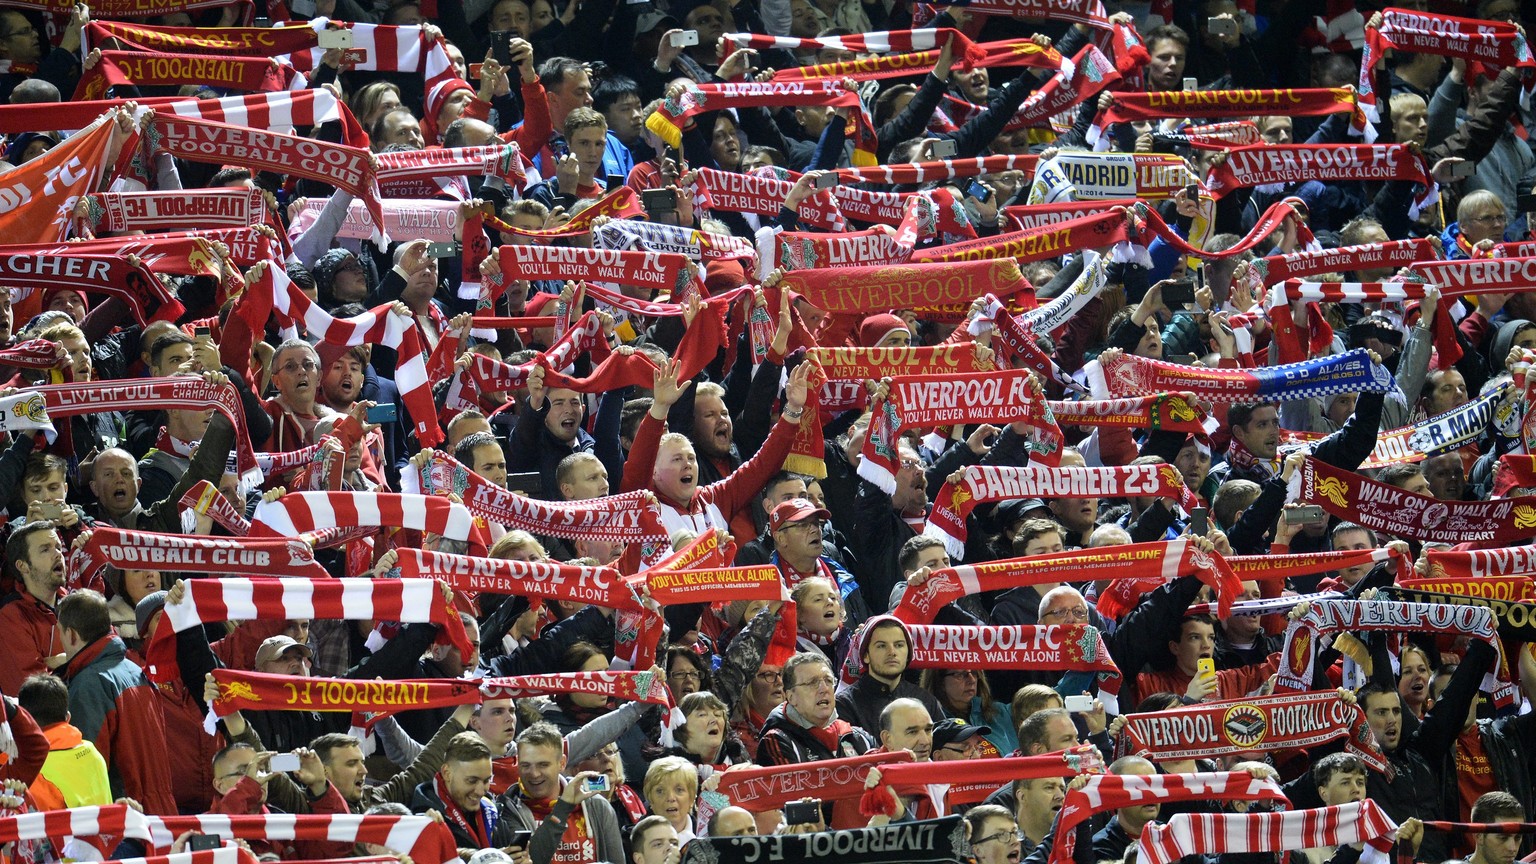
{"points": [[685, 675], [1489, 219], [770, 676], [1076, 613], [963, 673], [1002, 836], [306, 366], [962, 749], [813, 524], [818, 683], [914, 464]]}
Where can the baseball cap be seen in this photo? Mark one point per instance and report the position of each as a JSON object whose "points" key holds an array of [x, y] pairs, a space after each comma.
{"points": [[797, 510], [952, 729], [275, 647]]}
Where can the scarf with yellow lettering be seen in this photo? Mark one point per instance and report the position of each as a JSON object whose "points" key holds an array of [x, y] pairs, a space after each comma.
{"points": [[117, 68], [257, 691], [1310, 102], [1011, 52]]}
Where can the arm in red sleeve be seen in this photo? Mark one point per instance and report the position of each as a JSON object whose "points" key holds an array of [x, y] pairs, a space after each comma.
{"points": [[533, 135], [1116, 445], [31, 746], [331, 803], [737, 491], [641, 463]]}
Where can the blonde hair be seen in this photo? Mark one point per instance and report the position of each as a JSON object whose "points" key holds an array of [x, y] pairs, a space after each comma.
{"points": [[669, 768], [514, 540]]}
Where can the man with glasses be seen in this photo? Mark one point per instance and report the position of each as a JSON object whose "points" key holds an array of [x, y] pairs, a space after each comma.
{"points": [[806, 727], [994, 835], [954, 739], [19, 44], [796, 526], [295, 410]]}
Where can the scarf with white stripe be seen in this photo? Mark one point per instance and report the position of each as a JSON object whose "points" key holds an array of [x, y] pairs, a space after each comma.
{"points": [[424, 839], [1221, 833], [1106, 792], [409, 601]]}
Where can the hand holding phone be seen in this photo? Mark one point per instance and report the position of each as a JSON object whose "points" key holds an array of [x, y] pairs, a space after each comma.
{"points": [[685, 39], [1078, 704], [597, 784], [1206, 666], [386, 413], [283, 762], [802, 812], [1198, 521], [1178, 294]]}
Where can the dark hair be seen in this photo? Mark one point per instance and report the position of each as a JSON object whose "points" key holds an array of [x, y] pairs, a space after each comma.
{"points": [[466, 747], [1161, 701], [1034, 729], [577, 656], [687, 655], [612, 89], [1351, 526], [16, 545], [1497, 807], [1398, 474], [46, 698], [85, 612], [175, 337], [552, 72], [226, 176], [377, 132], [1242, 413], [1165, 31], [1374, 688], [330, 742], [43, 464], [465, 451], [914, 547], [1336, 763]]}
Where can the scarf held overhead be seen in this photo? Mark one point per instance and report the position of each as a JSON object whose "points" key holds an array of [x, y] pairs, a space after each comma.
{"points": [[1218, 834], [1396, 512], [668, 121], [1352, 371]]}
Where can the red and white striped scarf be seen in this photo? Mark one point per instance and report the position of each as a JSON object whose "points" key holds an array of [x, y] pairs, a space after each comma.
{"points": [[1013, 52], [182, 393], [409, 601], [386, 48], [277, 111], [230, 854], [204, 499], [114, 820], [378, 326], [118, 68], [1104, 792], [1090, 72], [303, 512], [32, 354], [1088, 12], [427, 841], [942, 169], [1236, 833]]}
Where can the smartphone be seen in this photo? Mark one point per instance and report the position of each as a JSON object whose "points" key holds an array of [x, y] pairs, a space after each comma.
{"points": [[1221, 27], [802, 812], [658, 201], [521, 839], [204, 842], [1304, 514], [685, 39], [1182, 359], [283, 762], [827, 180], [978, 191], [329, 39], [1176, 294], [1464, 169], [201, 331], [597, 784], [442, 250], [386, 413], [943, 148], [1192, 191], [1205, 666], [1078, 704], [1198, 521], [501, 46], [1191, 84]]}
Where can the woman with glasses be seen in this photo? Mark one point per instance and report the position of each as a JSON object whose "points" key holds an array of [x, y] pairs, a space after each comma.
{"points": [[1481, 218], [965, 695]]}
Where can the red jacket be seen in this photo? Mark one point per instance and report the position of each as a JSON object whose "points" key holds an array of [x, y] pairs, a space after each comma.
{"points": [[31, 745], [26, 631], [191, 760], [117, 709]]}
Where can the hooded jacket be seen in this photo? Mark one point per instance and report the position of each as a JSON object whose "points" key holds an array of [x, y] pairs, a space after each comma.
{"points": [[116, 708], [862, 701]]}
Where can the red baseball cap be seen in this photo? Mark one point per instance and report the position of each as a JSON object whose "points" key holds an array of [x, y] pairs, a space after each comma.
{"points": [[794, 511]]}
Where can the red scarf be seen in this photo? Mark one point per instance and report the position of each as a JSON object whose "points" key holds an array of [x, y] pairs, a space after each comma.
{"points": [[1370, 256], [31, 354], [145, 550], [770, 787], [117, 68], [1515, 562], [147, 298], [1235, 727], [172, 209], [658, 271], [749, 193], [256, 691], [198, 140], [983, 483], [184, 393], [1290, 163], [1038, 243], [422, 173], [668, 121], [1005, 396], [204, 499], [1066, 647], [909, 286], [1013, 52], [1167, 412], [628, 518], [478, 826], [942, 169], [982, 777], [1129, 107], [1202, 834], [597, 586], [1392, 511]]}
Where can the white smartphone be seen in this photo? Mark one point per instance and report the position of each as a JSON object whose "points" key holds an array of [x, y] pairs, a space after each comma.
{"points": [[1078, 704], [329, 39], [685, 39], [283, 762]]}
